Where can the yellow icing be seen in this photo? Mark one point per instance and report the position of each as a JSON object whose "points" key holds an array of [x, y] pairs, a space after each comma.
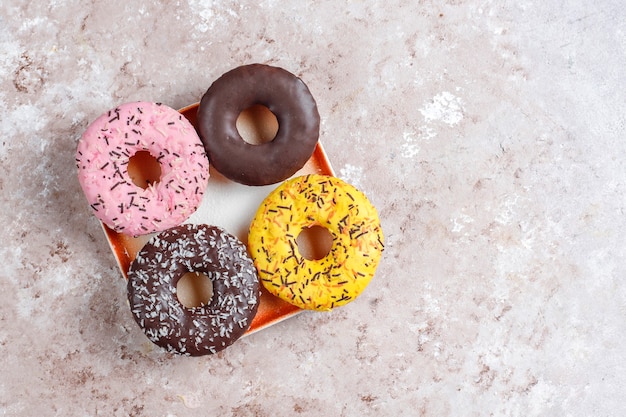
{"points": [[316, 200]]}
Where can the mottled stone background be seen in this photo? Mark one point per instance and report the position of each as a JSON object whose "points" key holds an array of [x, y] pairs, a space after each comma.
{"points": [[490, 135]]}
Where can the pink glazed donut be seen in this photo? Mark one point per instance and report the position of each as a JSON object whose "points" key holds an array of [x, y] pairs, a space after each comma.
{"points": [[103, 156]]}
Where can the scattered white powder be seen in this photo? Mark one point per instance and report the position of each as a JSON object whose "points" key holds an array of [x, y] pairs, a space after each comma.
{"points": [[444, 107], [207, 15], [22, 119], [352, 175], [508, 210], [205, 12], [459, 222], [410, 147]]}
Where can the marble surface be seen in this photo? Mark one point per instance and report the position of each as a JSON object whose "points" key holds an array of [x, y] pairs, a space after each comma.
{"points": [[489, 134]]}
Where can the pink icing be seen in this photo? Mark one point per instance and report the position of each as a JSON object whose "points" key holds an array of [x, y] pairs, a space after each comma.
{"points": [[102, 159]]}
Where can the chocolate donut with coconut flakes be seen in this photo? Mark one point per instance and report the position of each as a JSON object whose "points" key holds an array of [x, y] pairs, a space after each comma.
{"points": [[195, 331]]}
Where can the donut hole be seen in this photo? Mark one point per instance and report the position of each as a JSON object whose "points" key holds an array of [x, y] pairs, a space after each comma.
{"points": [[257, 125], [314, 242], [194, 289], [144, 169]]}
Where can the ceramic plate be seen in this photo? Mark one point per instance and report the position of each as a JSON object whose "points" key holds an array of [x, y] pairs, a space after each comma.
{"points": [[232, 206]]}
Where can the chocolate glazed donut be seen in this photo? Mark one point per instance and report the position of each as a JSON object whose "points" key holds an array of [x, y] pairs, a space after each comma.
{"points": [[286, 96]]}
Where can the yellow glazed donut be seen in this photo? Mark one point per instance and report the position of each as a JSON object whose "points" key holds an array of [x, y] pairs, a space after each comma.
{"points": [[316, 200]]}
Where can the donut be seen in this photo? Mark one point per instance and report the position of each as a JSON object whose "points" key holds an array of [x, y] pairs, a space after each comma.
{"points": [[194, 331], [286, 96], [307, 201], [167, 139]]}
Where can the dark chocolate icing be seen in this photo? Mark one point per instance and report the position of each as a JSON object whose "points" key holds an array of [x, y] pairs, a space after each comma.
{"points": [[283, 94], [195, 331]]}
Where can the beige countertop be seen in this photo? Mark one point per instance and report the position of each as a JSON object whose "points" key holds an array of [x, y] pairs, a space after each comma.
{"points": [[490, 135]]}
